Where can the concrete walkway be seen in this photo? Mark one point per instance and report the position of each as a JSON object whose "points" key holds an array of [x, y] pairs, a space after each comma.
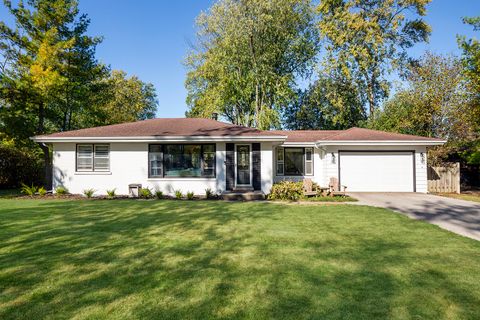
{"points": [[459, 216]]}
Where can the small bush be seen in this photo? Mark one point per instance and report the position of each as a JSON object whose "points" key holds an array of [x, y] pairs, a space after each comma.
{"points": [[286, 190], [111, 193], [61, 190], [29, 190], [42, 191], [145, 193], [89, 192], [209, 193], [178, 194], [159, 194], [190, 195]]}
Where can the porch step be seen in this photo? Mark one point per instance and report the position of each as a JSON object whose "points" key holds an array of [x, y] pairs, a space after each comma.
{"points": [[242, 189], [243, 195]]}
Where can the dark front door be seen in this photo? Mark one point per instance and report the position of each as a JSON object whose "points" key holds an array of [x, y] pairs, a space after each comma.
{"points": [[243, 164]]}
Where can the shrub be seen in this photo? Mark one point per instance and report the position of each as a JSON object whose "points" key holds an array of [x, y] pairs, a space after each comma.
{"points": [[20, 165], [61, 190], [209, 193], [145, 193], [286, 190], [190, 195], [159, 194], [111, 193], [89, 192], [42, 191], [29, 191], [178, 194]]}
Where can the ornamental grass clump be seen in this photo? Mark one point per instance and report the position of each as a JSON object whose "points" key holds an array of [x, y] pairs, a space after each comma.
{"points": [[42, 191], [190, 195], [209, 193], [286, 190], [145, 193], [89, 192], [111, 193], [61, 190], [29, 190], [159, 194], [178, 194]]}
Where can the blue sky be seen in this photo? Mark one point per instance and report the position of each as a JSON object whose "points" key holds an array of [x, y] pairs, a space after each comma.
{"points": [[150, 38]]}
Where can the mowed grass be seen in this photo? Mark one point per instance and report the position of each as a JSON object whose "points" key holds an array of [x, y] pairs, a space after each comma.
{"points": [[475, 197], [129, 259]]}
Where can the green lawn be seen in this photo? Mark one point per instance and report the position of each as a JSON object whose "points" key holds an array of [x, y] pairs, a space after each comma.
{"points": [[129, 259], [475, 197]]}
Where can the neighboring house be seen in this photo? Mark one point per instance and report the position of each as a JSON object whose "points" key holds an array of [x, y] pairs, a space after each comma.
{"points": [[192, 154]]}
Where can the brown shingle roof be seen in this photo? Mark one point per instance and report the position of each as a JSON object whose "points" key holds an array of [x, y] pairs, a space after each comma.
{"points": [[179, 127], [362, 134], [165, 127], [306, 135], [352, 134]]}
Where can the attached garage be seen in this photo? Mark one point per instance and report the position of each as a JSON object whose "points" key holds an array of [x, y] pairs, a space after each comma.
{"points": [[377, 171]]}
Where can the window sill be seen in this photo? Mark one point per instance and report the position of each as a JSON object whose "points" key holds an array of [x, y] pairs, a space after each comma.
{"points": [[295, 176], [93, 173], [183, 178]]}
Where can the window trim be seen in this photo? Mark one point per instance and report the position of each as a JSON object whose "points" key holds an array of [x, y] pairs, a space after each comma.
{"points": [[93, 145], [214, 175], [282, 162], [149, 161], [312, 161], [312, 152]]}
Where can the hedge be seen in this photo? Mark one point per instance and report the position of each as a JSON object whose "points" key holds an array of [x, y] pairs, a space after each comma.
{"points": [[19, 166]]}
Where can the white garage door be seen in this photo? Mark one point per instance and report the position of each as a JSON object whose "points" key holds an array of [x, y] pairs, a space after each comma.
{"points": [[377, 171]]}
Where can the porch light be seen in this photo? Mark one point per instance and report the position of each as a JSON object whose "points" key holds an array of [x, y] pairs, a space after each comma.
{"points": [[422, 157], [333, 158]]}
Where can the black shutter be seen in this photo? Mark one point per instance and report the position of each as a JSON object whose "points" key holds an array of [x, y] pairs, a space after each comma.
{"points": [[230, 166], [257, 164]]}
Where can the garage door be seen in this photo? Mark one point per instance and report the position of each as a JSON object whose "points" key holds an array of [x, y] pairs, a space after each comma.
{"points": [[377, 171]]}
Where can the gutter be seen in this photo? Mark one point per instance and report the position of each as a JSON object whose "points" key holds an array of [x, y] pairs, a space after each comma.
{"points": [[324, 143], [42, 139]]}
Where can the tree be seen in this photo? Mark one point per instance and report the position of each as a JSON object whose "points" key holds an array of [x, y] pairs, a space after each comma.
{"points": [[248, 57], [33, 78], [367, 40], [122, 99], [471, 64], [331, 103], [434, 104], [51, 81]]}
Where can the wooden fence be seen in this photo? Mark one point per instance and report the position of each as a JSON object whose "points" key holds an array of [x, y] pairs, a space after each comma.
{"points": [[444, 179]]}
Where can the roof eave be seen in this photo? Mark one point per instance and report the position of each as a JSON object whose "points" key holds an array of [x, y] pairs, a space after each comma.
{"points": [[269, 138], [380, 143]]}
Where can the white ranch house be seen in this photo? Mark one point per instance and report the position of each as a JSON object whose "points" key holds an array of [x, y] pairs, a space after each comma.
{"points": [[193, 154]]}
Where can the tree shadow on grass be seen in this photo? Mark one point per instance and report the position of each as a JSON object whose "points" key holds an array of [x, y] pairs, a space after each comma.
{"points": [[205, 260]]}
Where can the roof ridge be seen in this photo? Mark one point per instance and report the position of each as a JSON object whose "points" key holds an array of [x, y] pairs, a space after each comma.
{"points": [[340, 133]]}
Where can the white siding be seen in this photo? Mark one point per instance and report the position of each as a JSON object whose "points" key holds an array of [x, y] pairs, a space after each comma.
{"points": [[129, 164], [266, 170]]}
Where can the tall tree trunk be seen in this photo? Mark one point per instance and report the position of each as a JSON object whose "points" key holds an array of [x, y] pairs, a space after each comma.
{"points": [[257, 106], [371, 97], [45, 149]]}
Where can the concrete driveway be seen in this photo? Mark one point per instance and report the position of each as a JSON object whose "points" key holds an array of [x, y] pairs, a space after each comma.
{"points": [[459, 216]]}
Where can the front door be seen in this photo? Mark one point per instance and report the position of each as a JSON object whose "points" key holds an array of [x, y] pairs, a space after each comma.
{"points": [[243, 165]]}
